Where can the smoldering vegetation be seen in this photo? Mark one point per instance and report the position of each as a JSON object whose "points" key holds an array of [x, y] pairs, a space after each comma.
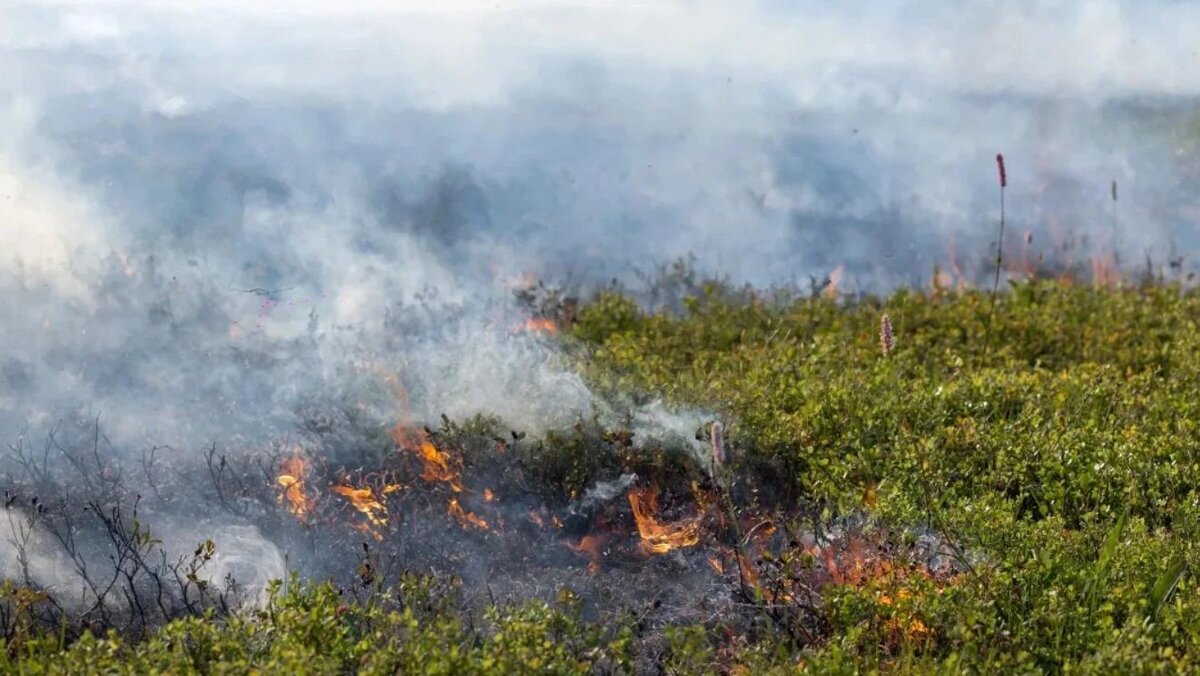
{"points": [[270, 300]]}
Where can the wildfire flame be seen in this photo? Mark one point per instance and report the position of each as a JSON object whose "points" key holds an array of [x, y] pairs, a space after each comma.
{"points": [[716, 564], [1104, 271], [944, 280], [292, 475], [591, 546], [439, 466], [835, 279], [657, 537], [853, 562], [543, 325], [464, 518], [364, 500]]}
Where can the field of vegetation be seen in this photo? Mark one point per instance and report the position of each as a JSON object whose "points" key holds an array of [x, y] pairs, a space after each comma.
{"points": [[1011, 487]]}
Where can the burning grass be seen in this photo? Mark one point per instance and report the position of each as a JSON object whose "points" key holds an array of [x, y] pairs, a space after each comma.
{"points": [[881, 493]]}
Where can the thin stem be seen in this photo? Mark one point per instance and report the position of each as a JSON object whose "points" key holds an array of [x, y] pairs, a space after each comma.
{"points": [[999, 250], [1115, 235], [987, 329]]}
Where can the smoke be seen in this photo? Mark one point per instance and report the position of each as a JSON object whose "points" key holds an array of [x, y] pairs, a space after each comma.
{"points": [[241, 553], [29, 555], [656, 424], [214, 215]]}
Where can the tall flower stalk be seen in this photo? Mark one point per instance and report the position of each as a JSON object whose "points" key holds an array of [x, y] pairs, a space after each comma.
{"points": [[987, 330], [1000, 239], [887, 340]]}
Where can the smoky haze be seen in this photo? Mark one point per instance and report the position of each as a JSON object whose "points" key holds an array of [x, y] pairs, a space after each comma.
{"points": [[216, 215]]}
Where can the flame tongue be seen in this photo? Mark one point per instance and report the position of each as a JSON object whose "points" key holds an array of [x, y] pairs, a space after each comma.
{"points": [[364, 500], [657, 537], [592, 547], [465, 519], [292, 475], [438, 466]]}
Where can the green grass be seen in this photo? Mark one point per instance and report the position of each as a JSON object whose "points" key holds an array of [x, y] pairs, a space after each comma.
{"points": [[1062, 465], [1063, 462]]}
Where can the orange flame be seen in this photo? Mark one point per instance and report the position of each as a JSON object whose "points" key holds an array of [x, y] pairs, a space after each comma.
{"points": [[439, 466], [1104, 271], [716, 564], [591, 546], [660, 538], [1026, 266], [543, 325], [835, 279], [465, 519], [292, 475], [364, 500], [942, 280]]}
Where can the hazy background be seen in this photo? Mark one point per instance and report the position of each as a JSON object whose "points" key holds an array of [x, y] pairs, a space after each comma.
{"points": [[213, 211]]}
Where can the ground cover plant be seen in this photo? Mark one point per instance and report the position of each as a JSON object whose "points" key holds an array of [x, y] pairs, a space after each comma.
{"points": [[930, 481]]}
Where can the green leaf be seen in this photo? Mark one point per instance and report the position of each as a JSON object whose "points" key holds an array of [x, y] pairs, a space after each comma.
{"points": [[1166, 585], [1110, 545]]}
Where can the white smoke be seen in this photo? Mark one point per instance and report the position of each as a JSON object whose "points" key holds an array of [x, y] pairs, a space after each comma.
{"points": [[29, 554]]}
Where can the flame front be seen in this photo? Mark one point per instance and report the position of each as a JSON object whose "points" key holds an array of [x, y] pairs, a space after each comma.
{"points": [[660, 538], [292, 475]]}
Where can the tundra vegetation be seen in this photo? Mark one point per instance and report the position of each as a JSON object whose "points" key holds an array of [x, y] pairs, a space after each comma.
{"points": [[1013, 483]]}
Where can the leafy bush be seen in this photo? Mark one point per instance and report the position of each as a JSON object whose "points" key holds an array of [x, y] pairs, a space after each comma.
{"points": [[414, 627], [1079, 416], [1058, 464]]}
